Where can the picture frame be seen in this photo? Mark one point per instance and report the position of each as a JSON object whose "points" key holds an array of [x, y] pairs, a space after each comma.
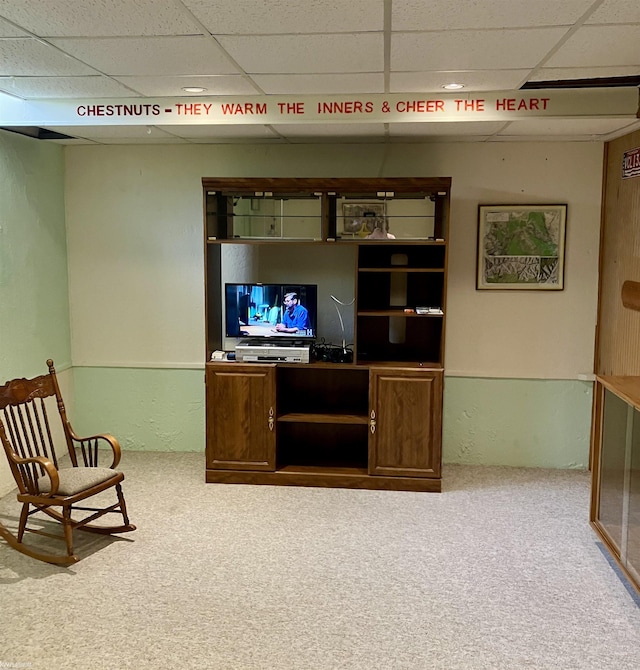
{"points": [[521, 247], [360, 219]]}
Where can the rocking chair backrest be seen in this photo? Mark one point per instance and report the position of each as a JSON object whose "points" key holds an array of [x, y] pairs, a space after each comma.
{"points": [[26, 428]]}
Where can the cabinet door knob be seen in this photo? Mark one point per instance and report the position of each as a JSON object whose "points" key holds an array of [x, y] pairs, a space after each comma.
{"points": [[271, 421]]}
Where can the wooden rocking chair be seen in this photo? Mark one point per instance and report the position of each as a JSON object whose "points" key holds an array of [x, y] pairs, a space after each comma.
{"points": [[27, 438]]}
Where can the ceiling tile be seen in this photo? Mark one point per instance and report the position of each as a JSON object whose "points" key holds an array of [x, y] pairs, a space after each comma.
{"points": [[164, 139], [616, 11], [8, 30], [563, 127], [116, 17], [105, 133], [331, 130], [556, 73], [150, 55], [599, 45], [471, 50], [63, 87], [447, 15], [236, 140], [457, 128], [171, 86], [478, 80], [27, 56], [310, 53], [72, 141], [283, 84], [433, 139], [240, 130], [239, 17]]}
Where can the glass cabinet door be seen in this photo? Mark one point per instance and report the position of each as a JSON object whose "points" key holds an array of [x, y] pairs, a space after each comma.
{"points": [[263, 216], [632, 548], [388, 216], [612, 466]]}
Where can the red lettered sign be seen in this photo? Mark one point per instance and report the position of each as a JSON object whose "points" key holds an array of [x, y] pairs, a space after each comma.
{"points": [[631, 163]]}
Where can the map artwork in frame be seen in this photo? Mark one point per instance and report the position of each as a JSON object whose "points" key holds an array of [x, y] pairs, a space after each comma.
{"points": [[521, 247]]}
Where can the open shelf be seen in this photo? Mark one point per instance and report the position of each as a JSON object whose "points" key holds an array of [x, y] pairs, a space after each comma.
{"points": [[298, 417], [322, 445]]}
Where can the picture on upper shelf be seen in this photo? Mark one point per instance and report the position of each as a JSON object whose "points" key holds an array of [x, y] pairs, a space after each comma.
{"points": [[521, 247], [364, 219]]}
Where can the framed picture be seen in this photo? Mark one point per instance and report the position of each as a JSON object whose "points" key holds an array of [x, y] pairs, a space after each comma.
{"points": [[360, 219], [521, 247]]}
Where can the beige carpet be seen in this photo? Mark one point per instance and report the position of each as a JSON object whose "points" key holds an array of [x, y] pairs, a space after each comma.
{"points": [[500, 571]]}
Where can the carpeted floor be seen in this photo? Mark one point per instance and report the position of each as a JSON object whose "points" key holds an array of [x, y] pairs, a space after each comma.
{"points": [[500, 571]]}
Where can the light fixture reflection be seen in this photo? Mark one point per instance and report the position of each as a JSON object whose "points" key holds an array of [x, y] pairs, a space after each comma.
{"points": [[193, 89], [453, 86]]}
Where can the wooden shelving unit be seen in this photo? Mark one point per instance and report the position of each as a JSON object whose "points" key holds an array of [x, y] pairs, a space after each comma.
{"points": [[375, 422]]}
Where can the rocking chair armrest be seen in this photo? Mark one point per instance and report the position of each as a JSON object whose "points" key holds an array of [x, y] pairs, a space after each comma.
{"points": [[95, 439], [47, 466]]}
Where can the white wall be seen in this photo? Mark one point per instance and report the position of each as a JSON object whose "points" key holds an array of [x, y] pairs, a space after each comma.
{"points": [[134, 222]]}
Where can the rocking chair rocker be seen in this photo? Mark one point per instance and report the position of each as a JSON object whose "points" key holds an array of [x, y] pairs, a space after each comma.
{"points": [[27, 438]]}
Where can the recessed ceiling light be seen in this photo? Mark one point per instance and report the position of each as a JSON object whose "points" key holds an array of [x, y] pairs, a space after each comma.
{"points": [[453, 86], [193, 89]]}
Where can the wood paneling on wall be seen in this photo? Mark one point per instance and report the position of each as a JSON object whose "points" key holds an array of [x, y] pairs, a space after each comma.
{"points": [[618, 330]]}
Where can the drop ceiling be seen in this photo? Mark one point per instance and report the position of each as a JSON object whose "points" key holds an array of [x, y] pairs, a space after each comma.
{"points": [[137, 49]]}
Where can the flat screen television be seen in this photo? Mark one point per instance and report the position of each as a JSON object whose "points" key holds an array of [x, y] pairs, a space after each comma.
{"points": [[259, 311]]}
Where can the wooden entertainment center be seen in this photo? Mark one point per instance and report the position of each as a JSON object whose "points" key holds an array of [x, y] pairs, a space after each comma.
{"points": [[374, 422]]}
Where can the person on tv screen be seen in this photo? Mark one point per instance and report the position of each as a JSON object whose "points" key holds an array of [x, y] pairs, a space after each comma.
{"points": [[295, 317]]}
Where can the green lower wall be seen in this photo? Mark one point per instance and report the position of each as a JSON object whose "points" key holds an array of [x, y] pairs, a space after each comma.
{"points": [[513, 422], [517, 422], [146, 409]]}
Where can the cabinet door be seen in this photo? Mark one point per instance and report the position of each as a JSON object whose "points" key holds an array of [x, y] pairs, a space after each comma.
{"points": [[611, 468], [405, 427], [241, 421]]}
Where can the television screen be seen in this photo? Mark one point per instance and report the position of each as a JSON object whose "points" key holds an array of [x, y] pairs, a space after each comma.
{"points": [[271, 310]]}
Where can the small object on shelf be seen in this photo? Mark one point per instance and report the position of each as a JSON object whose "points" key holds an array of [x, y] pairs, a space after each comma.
{"points": [[409, 311], [428, 310], [379, 234]]}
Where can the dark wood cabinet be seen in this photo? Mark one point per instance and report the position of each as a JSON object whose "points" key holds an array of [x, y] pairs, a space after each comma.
{"points": [[334, 425], [241, 411], [405, 422], [376, 421]]}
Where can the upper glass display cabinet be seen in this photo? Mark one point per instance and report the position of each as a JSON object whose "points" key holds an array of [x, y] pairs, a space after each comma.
{"points": [[352, 210]]}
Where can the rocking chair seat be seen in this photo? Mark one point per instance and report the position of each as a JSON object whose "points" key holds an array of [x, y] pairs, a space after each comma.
{"points": [[76, 480]]}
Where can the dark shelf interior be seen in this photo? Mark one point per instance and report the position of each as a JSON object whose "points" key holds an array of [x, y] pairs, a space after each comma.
{"points": [[324, 390], [401, 255], [421, 343], [385, 290], [322, 445]]}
